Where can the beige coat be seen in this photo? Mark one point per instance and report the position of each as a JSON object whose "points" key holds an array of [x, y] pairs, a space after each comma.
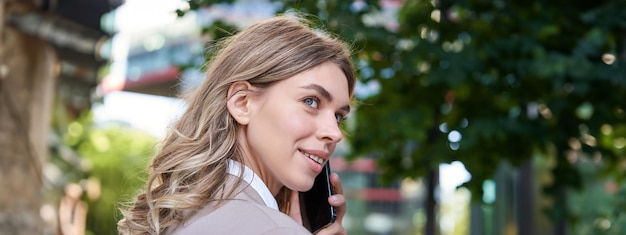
{"points": [[245, 214]]}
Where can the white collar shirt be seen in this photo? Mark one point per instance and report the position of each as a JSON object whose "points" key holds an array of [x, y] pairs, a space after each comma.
{"points": [[234, 168]]}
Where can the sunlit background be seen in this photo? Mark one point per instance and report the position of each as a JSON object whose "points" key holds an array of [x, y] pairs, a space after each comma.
{"points": [[115, 103]]}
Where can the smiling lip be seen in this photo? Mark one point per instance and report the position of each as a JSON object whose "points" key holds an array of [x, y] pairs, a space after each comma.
{"points": [[320, 157]]}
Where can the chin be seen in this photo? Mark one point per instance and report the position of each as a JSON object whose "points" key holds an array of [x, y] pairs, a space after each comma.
{"points": [[302, 187], [307, 188]]}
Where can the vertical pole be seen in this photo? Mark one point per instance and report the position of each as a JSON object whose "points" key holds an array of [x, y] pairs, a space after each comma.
{"points": [[526, 198], [431, 203]]}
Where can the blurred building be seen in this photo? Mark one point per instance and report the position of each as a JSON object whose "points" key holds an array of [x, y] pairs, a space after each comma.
{"points": [[373, 208], [153, 47], [73, 27], [150, 46]]}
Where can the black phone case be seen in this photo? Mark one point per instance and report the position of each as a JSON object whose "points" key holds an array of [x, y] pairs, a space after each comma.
{"points": [[316, 212]]}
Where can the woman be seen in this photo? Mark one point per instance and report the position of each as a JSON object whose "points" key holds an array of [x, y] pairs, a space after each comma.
{"points": [[257, 131]]}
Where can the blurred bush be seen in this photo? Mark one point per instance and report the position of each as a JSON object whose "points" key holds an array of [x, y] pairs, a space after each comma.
{"points": [[108, 161]]}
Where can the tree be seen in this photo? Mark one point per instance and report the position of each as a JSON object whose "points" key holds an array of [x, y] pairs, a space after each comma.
{"points": [[510, 78], [26, 91]]}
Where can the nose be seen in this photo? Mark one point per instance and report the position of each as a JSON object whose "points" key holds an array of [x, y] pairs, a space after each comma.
{"points": [[329, 130]]}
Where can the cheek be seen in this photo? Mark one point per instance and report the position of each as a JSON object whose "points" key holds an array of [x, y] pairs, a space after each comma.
{"points": [[297, 125], [281, 126]]}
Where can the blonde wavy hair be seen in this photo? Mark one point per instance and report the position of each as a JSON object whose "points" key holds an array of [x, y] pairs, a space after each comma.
{"points": [[191, 165]]}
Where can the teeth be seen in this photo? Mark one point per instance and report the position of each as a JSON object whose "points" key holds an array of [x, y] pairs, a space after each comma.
{"points": [[315, 158]]}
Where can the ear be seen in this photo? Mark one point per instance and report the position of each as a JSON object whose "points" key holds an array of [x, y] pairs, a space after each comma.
{"points": [[239, 99]]}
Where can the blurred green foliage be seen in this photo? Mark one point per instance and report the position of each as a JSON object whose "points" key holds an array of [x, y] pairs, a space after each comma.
{"points": [[119, 157], [110, 165], [601, 208]]}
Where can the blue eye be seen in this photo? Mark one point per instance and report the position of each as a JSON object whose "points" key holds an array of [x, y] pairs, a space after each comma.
{"points": [[313, 102], [340, 118]]}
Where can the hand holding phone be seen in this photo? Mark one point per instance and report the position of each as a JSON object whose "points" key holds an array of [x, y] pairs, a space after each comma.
{"points": [[316, 212]]}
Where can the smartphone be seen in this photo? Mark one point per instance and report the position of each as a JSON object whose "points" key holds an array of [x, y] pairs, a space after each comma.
{"points": [[316, 212]]}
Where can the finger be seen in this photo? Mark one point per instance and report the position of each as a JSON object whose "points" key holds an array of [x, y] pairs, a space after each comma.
{"points": [[65, 215], [336, 183], [339, 202], [337, 199], [294, 206], [80, 218]]}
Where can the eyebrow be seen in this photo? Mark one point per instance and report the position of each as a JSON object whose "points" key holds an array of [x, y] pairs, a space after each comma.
{"points": [[323, 92]]}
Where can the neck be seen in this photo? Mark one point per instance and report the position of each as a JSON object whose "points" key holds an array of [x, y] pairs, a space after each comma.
{"points": [[257, 165]]}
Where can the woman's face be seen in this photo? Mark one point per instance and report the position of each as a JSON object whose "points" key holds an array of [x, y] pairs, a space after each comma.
{"points": [[294, 126]]}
